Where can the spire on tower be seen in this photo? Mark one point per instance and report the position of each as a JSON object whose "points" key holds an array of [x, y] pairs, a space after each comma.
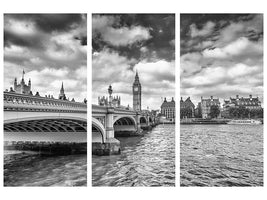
{"points": [[136, 75], [62, 95], [136, 80], [22, 80], [62, 88], [29, 84], [23, 72], [15, 83]]}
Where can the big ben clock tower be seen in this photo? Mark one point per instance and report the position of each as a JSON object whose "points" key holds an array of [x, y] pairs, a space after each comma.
{"points": [[137, 93]]}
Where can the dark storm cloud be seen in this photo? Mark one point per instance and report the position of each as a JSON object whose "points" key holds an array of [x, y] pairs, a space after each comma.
{"points": [[50, 22], [83, 40], [47, 23], [221, 21], [161, 28], [25, 41]]}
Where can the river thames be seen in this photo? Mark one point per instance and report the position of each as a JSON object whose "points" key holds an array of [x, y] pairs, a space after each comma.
{"points": [[221, 155], [34, 170], [144, 161]]}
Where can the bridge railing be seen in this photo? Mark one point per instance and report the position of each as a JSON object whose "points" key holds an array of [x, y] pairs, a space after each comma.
{"points": [[14, 101], [117, 110]]}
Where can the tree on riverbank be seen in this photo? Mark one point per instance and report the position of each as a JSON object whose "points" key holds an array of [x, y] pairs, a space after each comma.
{"points": [[242, 112], [214, 111]]}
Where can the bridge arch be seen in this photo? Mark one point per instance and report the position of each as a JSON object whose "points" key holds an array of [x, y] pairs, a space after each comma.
{"points": [[46, 125], [142, 120], [46, 130], [124, 120], [98, 131], [150, 119], [124, 124]]}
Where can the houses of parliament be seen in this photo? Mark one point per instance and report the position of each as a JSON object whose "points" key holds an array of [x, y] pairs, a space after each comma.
{"points": [[23, 88], [116, 100], [167, 108]]}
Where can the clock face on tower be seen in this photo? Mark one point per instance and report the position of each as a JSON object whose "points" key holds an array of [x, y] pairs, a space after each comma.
{"points": [[136, 89]]}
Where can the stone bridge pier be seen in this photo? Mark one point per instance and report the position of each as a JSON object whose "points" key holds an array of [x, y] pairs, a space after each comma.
{"points": [[108, 123]]}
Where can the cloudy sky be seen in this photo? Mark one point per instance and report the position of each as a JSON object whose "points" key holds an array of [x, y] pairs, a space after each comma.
{"points": [[51, 48], [221, 55], [123, 44]]}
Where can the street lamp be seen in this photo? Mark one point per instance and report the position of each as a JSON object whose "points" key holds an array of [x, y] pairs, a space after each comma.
{"points": [[110, 93]]}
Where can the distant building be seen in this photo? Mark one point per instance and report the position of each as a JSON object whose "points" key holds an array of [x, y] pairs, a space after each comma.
{"points": [[62, 95], [115, 101], [137, 93], [22, 88], [198, 111], [168, 109], [206, 104], [251, 103], [187, 106]]}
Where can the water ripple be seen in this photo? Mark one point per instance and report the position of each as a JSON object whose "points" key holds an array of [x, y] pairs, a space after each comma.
{"points": [[144, 161], [221, 155], [35, 170]]}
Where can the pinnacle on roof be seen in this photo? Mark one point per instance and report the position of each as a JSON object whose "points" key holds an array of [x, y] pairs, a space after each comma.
{"points": [[136, 75], [62, 88]]}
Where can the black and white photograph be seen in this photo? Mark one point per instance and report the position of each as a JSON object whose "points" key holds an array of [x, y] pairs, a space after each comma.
{"points": [[45, 100], [133, 100], [221, 105]]}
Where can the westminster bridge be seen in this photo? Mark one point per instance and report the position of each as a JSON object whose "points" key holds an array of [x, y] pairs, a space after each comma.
{"points": [[108, 122], [32, 122]]}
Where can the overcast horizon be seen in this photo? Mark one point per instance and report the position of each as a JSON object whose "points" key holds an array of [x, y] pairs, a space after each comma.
{"points": [[221, 56], [51, 49], [124, 43]]}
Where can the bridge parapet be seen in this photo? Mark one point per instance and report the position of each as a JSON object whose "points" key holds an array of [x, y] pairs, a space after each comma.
{"points": [[124, 111], [105, 109], [15, 101], [96, 109]]}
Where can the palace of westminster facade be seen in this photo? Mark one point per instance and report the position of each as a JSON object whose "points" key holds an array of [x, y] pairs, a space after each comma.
{"points": [[167, 108], [23, 88]]}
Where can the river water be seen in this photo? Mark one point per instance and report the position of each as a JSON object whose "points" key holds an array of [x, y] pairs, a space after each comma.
{"points": [[33, 170], [144, 161], [221, 155]]}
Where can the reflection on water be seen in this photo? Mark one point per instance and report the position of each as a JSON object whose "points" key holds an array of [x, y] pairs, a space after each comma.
{"points": [[34, 170], [144, 161], [221, 155]]}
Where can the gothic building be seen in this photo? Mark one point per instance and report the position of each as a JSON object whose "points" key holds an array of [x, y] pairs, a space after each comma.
{"points": [[137, 89], [62, 95], [187, 107], [168, 109], [22, 88], [115, 101]]}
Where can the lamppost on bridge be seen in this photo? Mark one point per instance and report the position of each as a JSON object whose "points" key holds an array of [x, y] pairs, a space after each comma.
{"points": [[110, 93]]}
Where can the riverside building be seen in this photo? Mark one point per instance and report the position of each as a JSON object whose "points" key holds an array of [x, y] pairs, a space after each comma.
{"points": [[187, 106], [168, 109], [206, 104]]}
